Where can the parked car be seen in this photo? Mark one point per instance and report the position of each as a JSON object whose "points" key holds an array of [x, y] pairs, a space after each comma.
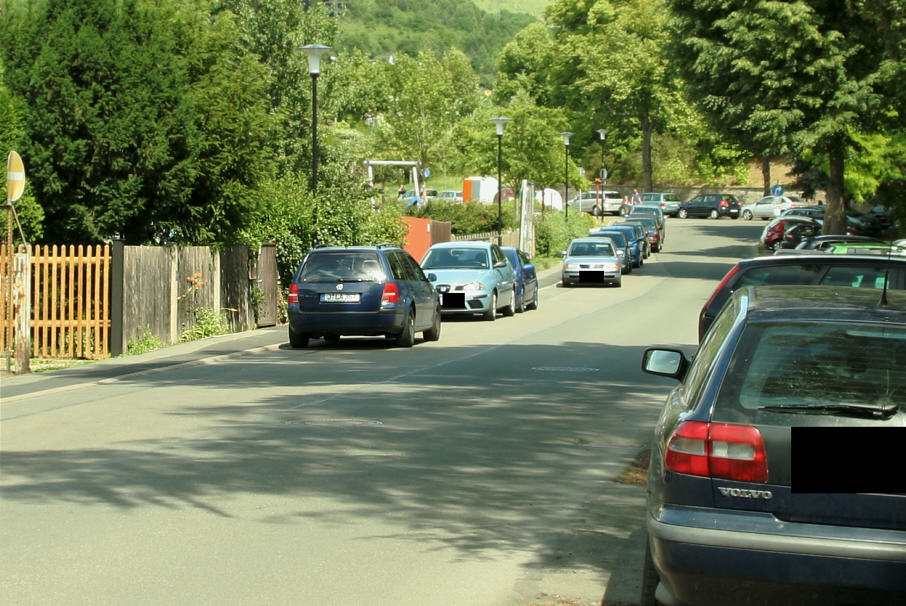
{"points": [[591, 260], [641, 236], [596, 202], [526, 278], [472, 278], [794, 234], [651, 228], [824, 242], [773, 232], [712, 206], [361, 290], [411, 198], [765, 208], [767, 481], [449, 195], [636, 240], [868, 271], [621, 242], [668, 203], [652, 211]]}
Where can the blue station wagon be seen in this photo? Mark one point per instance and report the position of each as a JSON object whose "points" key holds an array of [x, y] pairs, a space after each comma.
{"points": [[361, 290]]}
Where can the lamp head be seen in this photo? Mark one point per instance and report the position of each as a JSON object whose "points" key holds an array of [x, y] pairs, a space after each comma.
{"points": [[566, 135], [499, 122], [314, 52], [602, 132]]}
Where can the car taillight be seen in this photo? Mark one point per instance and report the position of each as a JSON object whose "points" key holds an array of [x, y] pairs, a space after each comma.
{"points": [[724, 203], [717, 450], [293, 297], [391, 293]]}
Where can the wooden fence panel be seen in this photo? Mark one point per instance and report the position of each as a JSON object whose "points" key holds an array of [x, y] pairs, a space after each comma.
{"points": [[70, 301]]}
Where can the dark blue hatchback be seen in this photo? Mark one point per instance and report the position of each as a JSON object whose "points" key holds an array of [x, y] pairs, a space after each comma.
{"points": [[361, 290], [526, 278]]}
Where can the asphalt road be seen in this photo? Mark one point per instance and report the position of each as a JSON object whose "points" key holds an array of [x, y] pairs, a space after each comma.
{"points": [[477, 470]]}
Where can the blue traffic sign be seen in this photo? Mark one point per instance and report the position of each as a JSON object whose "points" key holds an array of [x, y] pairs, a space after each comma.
{"points": [[777, 190]]}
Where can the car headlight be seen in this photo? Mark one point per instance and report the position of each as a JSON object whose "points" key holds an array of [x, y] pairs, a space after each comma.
{"points": [[473, 288], [611, 267], [571, 266]]}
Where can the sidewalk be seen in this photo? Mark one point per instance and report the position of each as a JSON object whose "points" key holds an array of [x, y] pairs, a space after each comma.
{"points": [[182, 355]]}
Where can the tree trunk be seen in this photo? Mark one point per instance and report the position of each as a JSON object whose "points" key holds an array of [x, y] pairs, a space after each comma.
{"points": [[766, 174], [835, 214]]}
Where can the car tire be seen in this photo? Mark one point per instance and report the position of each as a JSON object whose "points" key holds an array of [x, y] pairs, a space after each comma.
{"points": [[406, 338], [682, 213], [520, 302], [491, 313], [714, 214], [510, 310], [332, 338], [298, 341], [618, 284], [649, 580], [534, 303], [433, 333], [747, 215]]}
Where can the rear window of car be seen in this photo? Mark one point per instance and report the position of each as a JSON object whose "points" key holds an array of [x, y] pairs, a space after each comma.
{"points": [[342, 266], [671, 198], [787, 363], [456, 258]]}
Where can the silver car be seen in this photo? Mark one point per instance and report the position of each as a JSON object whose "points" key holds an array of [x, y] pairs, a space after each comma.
{"points": [[766, 208], [592, 260]]}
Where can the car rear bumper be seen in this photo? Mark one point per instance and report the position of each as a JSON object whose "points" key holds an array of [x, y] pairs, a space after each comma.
{"points": [[384, 322], [706, 556]]}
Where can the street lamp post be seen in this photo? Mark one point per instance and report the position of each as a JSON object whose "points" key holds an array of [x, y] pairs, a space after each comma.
{"points": [[566, 135], [602, 132], [499, 123], [314, 52]]}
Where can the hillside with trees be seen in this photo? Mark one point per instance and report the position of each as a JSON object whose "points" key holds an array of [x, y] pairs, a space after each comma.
{"points": [[165, 121]]}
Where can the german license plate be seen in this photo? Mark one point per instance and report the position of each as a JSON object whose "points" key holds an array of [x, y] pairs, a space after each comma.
{"points": [[340, 297]]}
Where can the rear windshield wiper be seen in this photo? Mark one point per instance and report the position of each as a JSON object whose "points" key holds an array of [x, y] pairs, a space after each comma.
{"points": [[867, 411]]}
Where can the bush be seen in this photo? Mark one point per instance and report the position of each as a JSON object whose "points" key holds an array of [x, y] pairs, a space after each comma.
{"points": [[552, 233], [470, 218]]}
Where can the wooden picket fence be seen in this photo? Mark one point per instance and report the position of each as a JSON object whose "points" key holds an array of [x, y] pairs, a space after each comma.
{"points": [[70, 301]]}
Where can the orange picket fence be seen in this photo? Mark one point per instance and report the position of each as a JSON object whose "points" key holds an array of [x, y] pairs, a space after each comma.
{"points": [[70, 301]]}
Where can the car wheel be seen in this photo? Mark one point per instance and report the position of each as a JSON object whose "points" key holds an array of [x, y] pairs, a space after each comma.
{"points": [[510, 310], [520, 302], [618, 283], [407, 337], [332, 338], [682, 213], [747, 215], [491, 313], [714, 214], [298, 341], [433, 333], [534, 303], [649, 580]]}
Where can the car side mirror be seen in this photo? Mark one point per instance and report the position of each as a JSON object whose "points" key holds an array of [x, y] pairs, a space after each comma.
{"points": [[562, 253], [432, 277], [500, 264], [665, 363]]}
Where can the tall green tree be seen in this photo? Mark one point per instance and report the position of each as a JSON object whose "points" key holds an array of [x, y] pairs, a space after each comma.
{"points": [[143, 120], [787, 75], [12, 132]]}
